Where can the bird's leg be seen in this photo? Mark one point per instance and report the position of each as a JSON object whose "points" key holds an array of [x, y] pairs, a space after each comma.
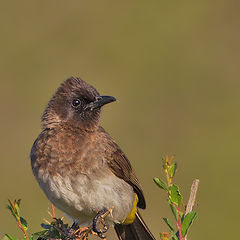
{"points": [[100, 219], [79, 233], [82, 233]]}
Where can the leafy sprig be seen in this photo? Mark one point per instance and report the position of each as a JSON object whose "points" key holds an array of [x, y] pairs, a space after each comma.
{"points": [[184, 216], [14, 207]]}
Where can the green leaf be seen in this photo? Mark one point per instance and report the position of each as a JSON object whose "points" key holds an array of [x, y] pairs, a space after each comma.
{"points": [[10, 237], [12, 209], [18, 202], [24, 223], [187, 221], [167, 221], [160, 183], [174, 195], [164, 165], [36, 235], [174, 237], [174, 211], [17, 210], [46, 226], [5, 238], [10, 204], [172, 170]]}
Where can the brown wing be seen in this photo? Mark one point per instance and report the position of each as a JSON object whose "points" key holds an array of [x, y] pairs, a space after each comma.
{"points": [[122, 168]]}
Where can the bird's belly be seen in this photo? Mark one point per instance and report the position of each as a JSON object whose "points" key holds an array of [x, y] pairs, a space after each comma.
{"points": [[81, 197]]}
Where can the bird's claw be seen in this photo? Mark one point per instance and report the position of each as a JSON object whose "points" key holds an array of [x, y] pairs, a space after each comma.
{"points": [[100, 219]]}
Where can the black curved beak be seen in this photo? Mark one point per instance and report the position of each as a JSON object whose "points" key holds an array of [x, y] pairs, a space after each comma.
{"points": [[100, 101]]}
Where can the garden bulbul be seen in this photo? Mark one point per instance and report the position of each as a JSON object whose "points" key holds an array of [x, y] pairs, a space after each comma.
{"points": [[80, 167]]}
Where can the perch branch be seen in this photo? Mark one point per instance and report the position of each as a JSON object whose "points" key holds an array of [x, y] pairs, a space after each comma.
{"points": [[192, 197]]}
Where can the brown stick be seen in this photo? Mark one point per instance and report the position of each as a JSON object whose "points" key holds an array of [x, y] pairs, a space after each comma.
{"points": [[192, 197]]}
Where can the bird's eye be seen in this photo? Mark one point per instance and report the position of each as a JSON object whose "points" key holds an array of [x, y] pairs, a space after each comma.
{"points": [[76, 102]]}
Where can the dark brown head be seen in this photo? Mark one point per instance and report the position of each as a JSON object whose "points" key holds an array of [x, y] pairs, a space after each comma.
{"points": [[76, 103]]}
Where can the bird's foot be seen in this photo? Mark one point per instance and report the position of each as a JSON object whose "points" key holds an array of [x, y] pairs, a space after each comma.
{"points": [[82, 233], [99, 225]]}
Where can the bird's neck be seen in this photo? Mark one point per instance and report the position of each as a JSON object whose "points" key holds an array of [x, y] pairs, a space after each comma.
{"points": [[73, 127]]}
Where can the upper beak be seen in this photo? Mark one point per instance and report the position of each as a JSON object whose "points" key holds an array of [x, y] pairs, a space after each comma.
{"points": [[101, 100]]}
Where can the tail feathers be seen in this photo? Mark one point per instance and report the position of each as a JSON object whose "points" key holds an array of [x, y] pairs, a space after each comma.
{"points": [[138, 230]]}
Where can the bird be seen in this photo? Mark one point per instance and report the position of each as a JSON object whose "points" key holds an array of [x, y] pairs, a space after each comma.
{"points": [[79, 166]]}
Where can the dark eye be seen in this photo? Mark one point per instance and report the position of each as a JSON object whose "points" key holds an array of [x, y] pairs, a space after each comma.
{"points": [[76, 102]]}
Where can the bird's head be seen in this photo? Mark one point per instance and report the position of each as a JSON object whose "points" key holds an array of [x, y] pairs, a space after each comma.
{"points": [[76, 103]]}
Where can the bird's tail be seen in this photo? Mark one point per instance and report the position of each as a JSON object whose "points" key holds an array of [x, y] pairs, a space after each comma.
{"points": [[137, 230]]}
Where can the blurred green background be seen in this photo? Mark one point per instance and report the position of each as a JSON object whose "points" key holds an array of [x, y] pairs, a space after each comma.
{"points": [[174, 67]]}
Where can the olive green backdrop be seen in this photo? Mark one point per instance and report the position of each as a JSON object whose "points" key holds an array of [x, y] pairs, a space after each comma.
{"points": [[173, 66]]}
